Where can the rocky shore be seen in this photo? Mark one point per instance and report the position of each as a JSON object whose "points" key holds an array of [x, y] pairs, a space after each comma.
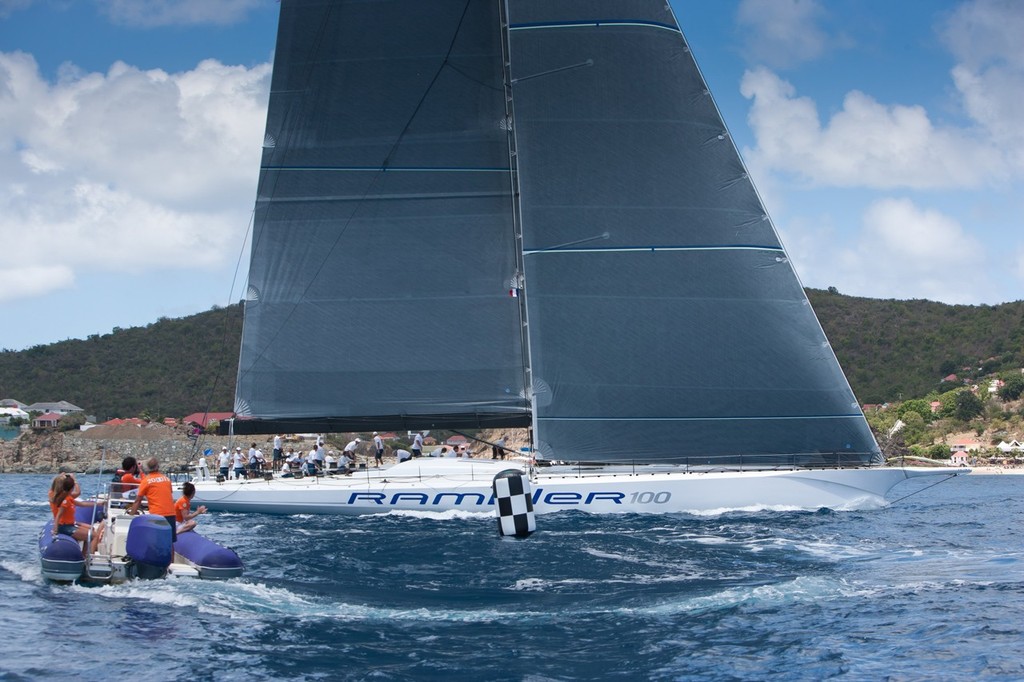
{"points": [[102, 447]]}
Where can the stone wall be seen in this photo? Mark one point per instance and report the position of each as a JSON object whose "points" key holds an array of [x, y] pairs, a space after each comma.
{"points": [[44, 453]]}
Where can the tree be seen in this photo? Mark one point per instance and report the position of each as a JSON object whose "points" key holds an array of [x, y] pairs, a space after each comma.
{"points": [[1012, 388], [70, 422], [918, 405], [967, 406], [913, 430]]}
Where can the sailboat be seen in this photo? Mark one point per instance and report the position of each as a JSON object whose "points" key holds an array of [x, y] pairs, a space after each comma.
{"points": [[481, 214]]}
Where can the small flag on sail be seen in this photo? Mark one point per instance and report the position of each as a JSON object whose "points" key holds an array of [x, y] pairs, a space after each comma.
{"points": [[514, 293]]}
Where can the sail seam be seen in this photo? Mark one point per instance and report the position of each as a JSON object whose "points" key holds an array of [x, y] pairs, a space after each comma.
{"points": [[389, 169], [592, 23], [697, 419], [719, 247]]}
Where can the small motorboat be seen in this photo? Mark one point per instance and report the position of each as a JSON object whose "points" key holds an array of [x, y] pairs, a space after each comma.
{"points": [[132, 547]]}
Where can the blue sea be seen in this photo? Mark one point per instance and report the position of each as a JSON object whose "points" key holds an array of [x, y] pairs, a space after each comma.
{"points": [[928, 588]]}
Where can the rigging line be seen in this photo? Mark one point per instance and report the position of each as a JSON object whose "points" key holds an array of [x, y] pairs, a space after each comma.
{"points": [[589, 62], [377, 178], [225, 335], [893, 503]]}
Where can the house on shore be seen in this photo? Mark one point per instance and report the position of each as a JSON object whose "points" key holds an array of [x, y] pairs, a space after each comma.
{"points": [[61, 407]]}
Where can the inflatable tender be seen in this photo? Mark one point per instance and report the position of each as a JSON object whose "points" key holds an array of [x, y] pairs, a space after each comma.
{"points": [[132, 547], [213, 561]]}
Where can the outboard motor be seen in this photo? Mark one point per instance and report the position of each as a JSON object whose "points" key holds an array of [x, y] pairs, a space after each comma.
{"points": [[149, 546]]}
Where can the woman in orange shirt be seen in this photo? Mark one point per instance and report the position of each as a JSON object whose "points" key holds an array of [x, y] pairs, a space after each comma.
{"points": [[63, 500]]}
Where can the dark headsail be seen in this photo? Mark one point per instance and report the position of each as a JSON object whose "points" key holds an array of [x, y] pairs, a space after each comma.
{"points": [[383, 237], [666, 321]]}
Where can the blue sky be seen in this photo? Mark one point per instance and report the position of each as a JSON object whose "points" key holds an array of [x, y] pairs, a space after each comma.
{"points": [[885, 138]]}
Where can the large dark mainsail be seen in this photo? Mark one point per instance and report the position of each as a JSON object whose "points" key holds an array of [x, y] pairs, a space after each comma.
{"points": [[383, 239], [413, 175]]}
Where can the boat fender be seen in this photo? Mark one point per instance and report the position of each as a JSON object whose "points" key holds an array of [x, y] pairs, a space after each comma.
{"points": [[149, 545], [514, 503]]}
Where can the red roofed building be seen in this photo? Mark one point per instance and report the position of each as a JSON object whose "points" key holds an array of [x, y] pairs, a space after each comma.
{"points": [[46, 421], [121, 422], [204, 418]]}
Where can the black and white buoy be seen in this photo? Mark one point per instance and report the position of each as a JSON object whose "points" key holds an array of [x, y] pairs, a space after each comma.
{"points": [[513, 498]]}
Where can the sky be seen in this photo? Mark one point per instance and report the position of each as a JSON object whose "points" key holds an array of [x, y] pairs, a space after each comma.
{"points": [[884, 137]]}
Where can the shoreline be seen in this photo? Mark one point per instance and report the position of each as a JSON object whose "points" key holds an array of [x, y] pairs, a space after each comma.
{"points": [[997, 471]]}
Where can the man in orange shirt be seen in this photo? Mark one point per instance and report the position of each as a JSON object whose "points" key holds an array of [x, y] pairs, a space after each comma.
{"points": [[156, 488]]}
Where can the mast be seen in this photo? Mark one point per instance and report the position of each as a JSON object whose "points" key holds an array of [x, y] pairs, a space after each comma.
{"points": [[518, 285]]}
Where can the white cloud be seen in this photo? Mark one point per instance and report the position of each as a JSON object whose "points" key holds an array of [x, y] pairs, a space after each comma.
{"points": [[150, 13], [125, 171], [901, 251], [782, 32], [35, 280], [985, 36], [865, 144]]}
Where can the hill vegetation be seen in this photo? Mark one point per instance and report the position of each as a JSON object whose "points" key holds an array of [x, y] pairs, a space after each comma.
{"points": [[890, 350], [894, 350], [172, 367]]}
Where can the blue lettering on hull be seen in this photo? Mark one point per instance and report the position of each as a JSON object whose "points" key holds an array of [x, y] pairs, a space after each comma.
{"points": [[556, 498]]}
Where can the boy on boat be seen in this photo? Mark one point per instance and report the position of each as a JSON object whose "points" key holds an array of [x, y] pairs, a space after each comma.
{"points": [[183, 515]]}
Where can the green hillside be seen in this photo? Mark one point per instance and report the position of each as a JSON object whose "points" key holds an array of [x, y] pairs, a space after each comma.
{"points": [[890, 350], [893, 350], [172, 367]]}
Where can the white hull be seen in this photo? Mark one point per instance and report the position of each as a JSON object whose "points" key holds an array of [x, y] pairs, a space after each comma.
{"points": [[439, 485]]}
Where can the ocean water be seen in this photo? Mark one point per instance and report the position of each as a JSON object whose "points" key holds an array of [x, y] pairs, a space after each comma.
{"points": [[928, 588]]}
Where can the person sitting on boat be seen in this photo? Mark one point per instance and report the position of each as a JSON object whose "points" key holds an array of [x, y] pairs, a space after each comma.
{"points": [[402, 455], [345, 463], [64, 493], [309, 465], [156, 489], [286, 468], [183, 514]]}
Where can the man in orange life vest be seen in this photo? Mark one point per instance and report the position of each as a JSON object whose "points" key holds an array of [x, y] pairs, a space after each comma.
{"points": [[156, 488]]}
